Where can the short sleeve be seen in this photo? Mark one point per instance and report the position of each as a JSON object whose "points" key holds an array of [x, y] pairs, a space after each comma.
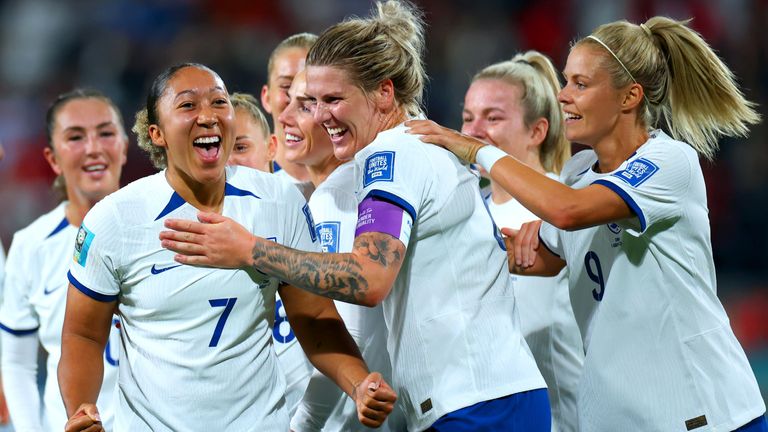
{"points": [[390, 175], [652, 184], [300, 226], [549, 236], [17, 315], [97, 250]]}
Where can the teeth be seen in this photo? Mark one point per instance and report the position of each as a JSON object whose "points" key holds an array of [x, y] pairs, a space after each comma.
{"points": [[570, 116], [92, 168], [291, 137], [208, 140], [334, 131]]}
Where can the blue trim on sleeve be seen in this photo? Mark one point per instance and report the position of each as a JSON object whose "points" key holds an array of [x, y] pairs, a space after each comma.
{"points": [[63, 224], [394, 199], [541, 240], [627, 199], [231, 190], [175, 202], [18, 332], [89, 292]]}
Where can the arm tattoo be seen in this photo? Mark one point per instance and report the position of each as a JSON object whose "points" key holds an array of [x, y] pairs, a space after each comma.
{"points": [[339, 276]]}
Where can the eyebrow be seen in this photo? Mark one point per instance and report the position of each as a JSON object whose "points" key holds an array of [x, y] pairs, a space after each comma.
{"points": [[82, 129], [193, 91], [305, 98]]}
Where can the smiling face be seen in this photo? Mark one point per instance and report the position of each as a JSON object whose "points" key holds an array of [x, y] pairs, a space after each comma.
{"points": [[493, 113], [345, 111], [251, 143], [592, 105], [306, 141], [196, 125], [89, 148]]}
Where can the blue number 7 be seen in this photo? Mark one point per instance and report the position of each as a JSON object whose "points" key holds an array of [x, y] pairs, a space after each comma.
{"points": [[227, 304]]}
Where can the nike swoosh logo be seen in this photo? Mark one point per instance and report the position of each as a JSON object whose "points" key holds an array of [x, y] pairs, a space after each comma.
{"points": [[156, 270], [46, 291]]}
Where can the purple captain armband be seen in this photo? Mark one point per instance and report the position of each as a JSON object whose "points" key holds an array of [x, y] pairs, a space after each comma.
{"points": [[375, 215]]}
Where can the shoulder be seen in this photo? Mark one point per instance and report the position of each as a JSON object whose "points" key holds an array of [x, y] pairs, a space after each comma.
{"points": [[577, 165], [261, 185], [134, 202], [42, 227]]}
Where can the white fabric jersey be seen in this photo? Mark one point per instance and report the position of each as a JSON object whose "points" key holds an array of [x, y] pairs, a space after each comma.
{"points": [[548, 325], [293, 362], [35, 300], [197, 341], [453, 337], [661, 354], [325, 406]]}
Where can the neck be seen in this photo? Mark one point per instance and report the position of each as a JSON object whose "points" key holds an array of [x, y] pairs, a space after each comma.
{"points": [[531, 158], [393, 118], [203, 196], [319, 172], [77, 206], [297, 171], [618, 147]]}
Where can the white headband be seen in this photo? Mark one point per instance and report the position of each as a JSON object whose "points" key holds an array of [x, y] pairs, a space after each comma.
{"points": [[614, 56]]}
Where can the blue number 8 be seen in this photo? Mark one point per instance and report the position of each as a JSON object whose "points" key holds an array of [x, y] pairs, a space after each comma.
{"points": [[279, 329], [595, 274]]}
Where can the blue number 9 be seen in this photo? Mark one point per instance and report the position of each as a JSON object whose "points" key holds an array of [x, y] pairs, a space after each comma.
{"points": [[595, 274]]}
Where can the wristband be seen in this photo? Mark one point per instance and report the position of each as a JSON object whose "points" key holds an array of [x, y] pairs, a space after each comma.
{"points": [[489, 155]]}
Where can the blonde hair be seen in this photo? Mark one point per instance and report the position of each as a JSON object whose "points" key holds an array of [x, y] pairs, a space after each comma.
{"points": [[141, 128], [299, 40], [250, 105], [537, 78], [684, 81], [388, 45]]}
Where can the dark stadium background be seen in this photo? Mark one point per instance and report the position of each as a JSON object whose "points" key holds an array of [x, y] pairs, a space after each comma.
{"points": [[49, 46]]}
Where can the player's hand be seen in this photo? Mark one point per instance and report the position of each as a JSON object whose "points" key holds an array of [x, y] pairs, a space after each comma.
{"points": [[463, 146], [522, 246], [374, 399], [215, 241], [85, 419]]}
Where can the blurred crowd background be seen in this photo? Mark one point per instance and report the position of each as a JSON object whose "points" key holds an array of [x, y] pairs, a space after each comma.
{"points": [[119, 46]]}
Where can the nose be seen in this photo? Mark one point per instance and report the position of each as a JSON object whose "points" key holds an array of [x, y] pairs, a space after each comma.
{"points": [[321, 113], [563, 96], [474, 129], [207, 117], [93, 143], [285, 116]]}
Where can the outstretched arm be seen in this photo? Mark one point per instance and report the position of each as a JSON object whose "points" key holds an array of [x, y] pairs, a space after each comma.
{"points": [[364, 276], [333, 352], [81, 368], [562, 206]]}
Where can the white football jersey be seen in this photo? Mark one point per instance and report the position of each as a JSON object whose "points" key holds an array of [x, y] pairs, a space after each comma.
{"points": [[197, 341], [453, 337], [325, 406], [293, 362], [660, 352], [35, 300], [548, 324]]}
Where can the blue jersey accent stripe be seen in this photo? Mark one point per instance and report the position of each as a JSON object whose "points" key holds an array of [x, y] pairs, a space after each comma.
{"points": [[175, 202], [63, 224], [394, 199], [627, 199], [231, 190], [18, 332], [541, 240], [89, 292]]}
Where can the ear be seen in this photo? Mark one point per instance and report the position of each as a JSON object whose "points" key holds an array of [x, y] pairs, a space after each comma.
{"points": [[265, 99], [272, 147], [538, 131], [633, 97], [50, 157], [156, 135], [125, 149], [385, 95]]}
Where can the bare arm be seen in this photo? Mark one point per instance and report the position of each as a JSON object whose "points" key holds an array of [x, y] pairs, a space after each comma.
{"points": [[81, 368], [364, 276], [562, 206], [333, 352]]}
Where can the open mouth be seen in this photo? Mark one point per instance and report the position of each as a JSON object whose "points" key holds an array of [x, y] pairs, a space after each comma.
{"points": [[336, 133], [291, 139], [571, 116], [95, 168], [208, 148]]}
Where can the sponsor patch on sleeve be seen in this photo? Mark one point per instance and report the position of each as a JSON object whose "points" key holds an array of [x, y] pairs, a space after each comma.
{"points": [[82, 244], [379, 167], [637, 171], [310, 222], [328, 233]]}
